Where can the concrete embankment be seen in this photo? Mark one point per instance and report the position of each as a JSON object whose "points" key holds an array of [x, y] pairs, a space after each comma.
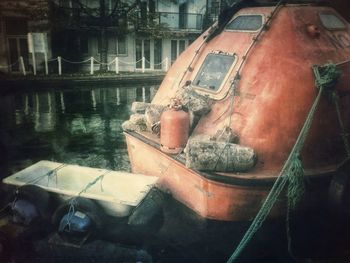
{"points": [[20, 83]]}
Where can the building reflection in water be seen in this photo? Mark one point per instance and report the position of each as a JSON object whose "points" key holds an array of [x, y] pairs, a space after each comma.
{"points": [[45, 112], [63, 107], [79, 126]]}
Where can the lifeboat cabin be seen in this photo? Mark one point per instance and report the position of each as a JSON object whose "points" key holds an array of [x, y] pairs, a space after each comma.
{"points": [[263, 87]]}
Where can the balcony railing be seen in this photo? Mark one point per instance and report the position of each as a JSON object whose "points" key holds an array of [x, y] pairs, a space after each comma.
{"points": [[181, 20], [173, 21], [75, 17]]}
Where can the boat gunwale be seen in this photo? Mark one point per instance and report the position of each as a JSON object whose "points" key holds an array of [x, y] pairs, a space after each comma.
{"points": [[235, 179]]}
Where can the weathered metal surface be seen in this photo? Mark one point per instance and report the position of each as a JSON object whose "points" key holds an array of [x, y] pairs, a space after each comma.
{"points": [[265, 105], [208, 197], [276, 88]]}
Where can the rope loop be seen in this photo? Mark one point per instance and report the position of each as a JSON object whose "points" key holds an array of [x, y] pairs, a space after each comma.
{"points": [[75, 62], [326, 76]]}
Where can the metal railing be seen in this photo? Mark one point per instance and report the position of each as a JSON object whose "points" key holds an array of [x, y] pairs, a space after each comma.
{"points": [[91, 63], [173, 21]]}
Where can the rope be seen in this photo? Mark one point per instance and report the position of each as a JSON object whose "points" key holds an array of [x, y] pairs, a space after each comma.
{"points": [[130, 63], [343, 133], [48, 174], [254, 41], [52, 59], [292, 170], [291, 166], [75, 62], [238, 76], [343, 62], [160, 63], [73, 202], [102, 63]]}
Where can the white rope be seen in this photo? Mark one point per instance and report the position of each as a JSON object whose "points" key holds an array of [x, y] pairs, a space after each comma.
{"points": [[111, 62], [130, 63], [99, 62], [53, 59], [160, 63], [75, 62]]}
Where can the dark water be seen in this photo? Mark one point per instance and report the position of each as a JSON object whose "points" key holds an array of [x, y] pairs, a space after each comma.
{"points": [[81, 126]]}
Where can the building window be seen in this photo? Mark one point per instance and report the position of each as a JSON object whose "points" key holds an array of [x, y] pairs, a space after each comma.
{"points": [[84, 44], [143, 49], [17, 46], [158, 54], [213, 71], [121, 46], [183, 15], [331, 21], [112, 4], [246, 23], [177, 47], [214, 8], [117, 45], [16, 26], [182, 46], [173, 51]]}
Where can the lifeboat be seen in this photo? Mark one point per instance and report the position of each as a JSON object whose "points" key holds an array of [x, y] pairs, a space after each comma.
{"points": [[254, 72]]}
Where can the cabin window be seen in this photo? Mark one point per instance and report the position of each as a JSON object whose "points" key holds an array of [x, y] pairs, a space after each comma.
{"points": [[331, 21], [213, 71], [246, 23]]}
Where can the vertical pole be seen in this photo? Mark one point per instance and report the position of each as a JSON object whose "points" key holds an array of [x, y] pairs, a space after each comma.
{"points": [[63, 106], [49, 104], [46, 64], [91, 65], [59, 65], [118, 96], [116, 65], [26, 105], [37, 113], [143, 94], [166, 63], [21, 61], [93, 99], [34, 62], [143, 64]]}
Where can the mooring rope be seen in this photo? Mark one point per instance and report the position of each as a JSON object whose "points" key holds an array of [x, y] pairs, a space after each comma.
{"points": [[73, 202], [292, 170]]}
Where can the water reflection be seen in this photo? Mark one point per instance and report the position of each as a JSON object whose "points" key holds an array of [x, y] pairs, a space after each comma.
{"points": [[78, 126]]}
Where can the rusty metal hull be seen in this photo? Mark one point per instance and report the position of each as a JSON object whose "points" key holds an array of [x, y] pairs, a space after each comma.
{"points": [[213, 196], [271, 100]]}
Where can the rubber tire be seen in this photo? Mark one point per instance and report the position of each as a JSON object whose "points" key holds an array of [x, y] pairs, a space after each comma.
{"points": [[40, 198]]}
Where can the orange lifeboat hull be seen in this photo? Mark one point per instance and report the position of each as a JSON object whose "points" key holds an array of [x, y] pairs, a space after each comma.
{"points": [[214, 196], [270, 104]]}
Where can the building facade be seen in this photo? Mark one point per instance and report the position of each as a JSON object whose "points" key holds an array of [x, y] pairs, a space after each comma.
{"points": [[143, 35], [17, 18]]}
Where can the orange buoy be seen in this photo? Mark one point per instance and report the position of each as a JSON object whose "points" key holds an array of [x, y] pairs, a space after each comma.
{"points": [[174, 124]]}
